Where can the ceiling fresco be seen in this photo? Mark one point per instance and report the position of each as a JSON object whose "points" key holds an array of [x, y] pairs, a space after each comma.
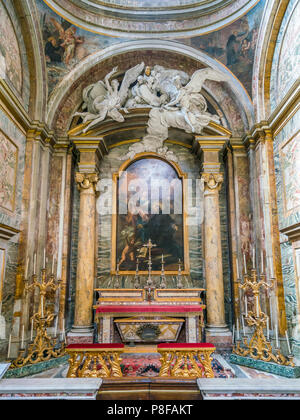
{"points": [[66, 44]]}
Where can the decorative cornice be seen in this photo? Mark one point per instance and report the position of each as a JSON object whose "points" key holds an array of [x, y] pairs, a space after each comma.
{"points": [[35, 130], [289, 105], [39, 131], [13, 106], [7, 232], [292, 232]]}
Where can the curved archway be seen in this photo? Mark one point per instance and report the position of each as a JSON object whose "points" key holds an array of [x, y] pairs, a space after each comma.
{"points": [[269, 29], [67, 95]]}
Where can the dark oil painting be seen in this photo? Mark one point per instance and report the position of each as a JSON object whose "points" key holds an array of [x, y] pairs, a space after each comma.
{"points": [[151, 193]]}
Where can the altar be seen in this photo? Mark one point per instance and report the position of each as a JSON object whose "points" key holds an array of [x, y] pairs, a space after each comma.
{"points": [[127, 315]]}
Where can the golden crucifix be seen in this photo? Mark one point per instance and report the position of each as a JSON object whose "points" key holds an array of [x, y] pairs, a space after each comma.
{"points": [[150, 245]]}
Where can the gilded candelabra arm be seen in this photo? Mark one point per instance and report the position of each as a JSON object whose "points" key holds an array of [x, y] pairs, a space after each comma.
{"points": [[43, 346]]}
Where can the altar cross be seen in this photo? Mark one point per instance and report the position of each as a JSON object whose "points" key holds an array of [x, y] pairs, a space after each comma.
{"points": [[149, 245]]}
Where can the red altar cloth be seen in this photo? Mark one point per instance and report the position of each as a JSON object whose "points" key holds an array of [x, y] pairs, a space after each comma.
{"points": [[185, 345], [95, 346], [148, 308]]}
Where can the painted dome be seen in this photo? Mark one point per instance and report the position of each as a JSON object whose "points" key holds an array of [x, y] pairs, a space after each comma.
{"points": [[151, 18]]}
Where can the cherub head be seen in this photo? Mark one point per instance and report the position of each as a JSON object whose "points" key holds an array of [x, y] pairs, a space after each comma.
{"points": [[148, 71], [140, 80]]}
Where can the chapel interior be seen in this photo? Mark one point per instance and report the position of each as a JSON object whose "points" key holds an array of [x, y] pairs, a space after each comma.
{"points": [[149, 199]]}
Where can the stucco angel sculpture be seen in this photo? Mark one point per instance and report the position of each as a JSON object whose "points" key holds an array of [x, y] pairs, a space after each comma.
{"points": [[187, 111], [105, 99]]}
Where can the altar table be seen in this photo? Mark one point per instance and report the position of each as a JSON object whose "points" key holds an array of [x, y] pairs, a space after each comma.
{"points": [[186, 304]]}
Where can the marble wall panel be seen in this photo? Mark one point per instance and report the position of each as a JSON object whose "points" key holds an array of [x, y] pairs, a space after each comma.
{"points": [[8, 172], [286, 59], [12, 141], [13, 54], [286, 160], [11, 188]]}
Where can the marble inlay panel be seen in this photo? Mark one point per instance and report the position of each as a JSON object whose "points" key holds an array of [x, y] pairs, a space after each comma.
{"points": [[8, 172], [286, 59]]}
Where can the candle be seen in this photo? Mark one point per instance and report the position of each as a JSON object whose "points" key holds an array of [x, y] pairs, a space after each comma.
{"points": [[52, 270], [26, 269], [64, 331], [0, 308], [253, 258], [44, 258], [246, 306], [34, 264], [233, 333], [268, 329], [243, 323], [237, 268], [276, 336], [55, 330], [162, 258], [22, 341], [245, 265], [287, 341], [262, 261], [237, 329], [9, 345], [31, 332], [257, 307], [271, 268]]}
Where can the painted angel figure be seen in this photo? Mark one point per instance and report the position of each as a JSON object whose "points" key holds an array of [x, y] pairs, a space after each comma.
{"points": [[191, 102], [105, 99], [69, 41]]}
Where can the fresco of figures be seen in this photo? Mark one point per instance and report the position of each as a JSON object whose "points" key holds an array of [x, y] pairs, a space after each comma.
{"points": [[235, 45], [66, 45]]}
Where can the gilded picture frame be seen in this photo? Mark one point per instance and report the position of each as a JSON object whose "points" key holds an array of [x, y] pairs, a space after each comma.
{"points": [[184, 261]]}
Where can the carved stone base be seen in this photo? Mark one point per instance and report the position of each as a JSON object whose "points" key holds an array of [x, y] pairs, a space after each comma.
{"points": [[82, 335], [220, 337]]}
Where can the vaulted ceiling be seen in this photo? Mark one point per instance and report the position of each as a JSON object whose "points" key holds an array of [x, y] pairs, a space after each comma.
{"points": [[150, 18]]}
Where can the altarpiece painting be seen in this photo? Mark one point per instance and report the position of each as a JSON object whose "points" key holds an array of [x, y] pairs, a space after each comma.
{"points": [[149, 206]]}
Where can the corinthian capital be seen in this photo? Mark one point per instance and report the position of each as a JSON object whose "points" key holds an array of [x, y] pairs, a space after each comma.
{"points": [[86, 181], [212, 181]]}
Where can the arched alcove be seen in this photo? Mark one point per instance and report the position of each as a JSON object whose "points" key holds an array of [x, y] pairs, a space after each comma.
{"points": [[229, 97]]}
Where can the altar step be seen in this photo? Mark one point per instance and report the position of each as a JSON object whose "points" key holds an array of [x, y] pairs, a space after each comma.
{"points": [[149, 389]]}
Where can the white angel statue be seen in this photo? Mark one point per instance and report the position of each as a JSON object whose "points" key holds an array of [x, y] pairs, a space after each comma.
{"points": [[191, 103], [105, 99], [186, 111]]}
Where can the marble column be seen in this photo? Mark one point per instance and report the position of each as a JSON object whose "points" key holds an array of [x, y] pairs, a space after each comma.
{"points": [[217, 331], [82, 330]]}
